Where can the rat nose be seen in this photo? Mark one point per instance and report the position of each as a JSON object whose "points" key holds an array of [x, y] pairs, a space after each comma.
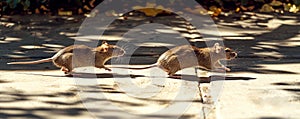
{"points": [[121, 52]]}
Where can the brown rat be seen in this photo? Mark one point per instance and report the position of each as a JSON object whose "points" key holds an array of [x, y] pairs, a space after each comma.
{"points": [[80, 56], [181, 57]]}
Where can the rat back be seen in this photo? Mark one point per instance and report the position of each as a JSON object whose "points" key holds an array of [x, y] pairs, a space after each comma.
{"points": [[178, 58], [74, 56]]}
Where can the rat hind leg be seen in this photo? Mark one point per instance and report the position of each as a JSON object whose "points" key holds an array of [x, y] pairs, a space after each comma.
{"points": [[102, 66], [171, 73], [67, 67], [66, 70], [173, 70], [64, 61], [166, 69]]}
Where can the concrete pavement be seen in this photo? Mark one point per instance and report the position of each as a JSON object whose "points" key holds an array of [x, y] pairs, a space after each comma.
{"points": [[264, 82]]}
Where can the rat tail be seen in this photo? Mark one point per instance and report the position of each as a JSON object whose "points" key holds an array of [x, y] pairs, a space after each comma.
{"points": [[59, 53], [147, 67], [33, 62], [137, 68]]}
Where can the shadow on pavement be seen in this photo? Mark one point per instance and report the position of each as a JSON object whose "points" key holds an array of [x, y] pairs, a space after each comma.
{"points": [[179, 76], [275, 42], [28, 112], [35, 38], [212, 78], [292, 87], [91, 75], [271, 118]]}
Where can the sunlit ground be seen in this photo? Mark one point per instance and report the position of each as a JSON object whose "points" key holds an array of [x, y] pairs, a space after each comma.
{"points": [[266, 67]]}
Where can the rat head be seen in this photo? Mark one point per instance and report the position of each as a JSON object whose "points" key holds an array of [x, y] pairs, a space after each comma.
{"points": [[220, 50], [230, 54], [112, 50]]}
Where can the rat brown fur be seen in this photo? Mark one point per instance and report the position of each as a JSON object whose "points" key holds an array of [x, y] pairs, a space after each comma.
{"points": [[181, 57], [80, 56]]}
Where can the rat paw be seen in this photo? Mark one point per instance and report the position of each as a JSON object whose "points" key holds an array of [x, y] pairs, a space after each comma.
{"points": [[64, 69], [69, 74], [175, 76], [108, 69], [221, 69], [227, 69]]}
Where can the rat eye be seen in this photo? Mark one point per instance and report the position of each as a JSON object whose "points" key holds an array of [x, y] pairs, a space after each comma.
{"points": [[227, 50]]}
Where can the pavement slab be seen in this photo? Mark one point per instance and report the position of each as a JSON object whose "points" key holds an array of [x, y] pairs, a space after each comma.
{"points": [[263, 83]]}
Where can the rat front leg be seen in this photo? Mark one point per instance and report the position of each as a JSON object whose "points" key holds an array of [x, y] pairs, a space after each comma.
{"points": [[102, 66], [218, 65], [108, 69]]}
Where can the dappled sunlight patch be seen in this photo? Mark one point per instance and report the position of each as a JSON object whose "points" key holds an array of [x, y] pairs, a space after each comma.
{"points": [[53, 45], [261, 15], [17, 56], [12, 111], [247, 24], [166, 31], [275, 23], [186, 35], [284, 68], [197, 40], [259, 21], [156, 44], [268, 43], [106, 28], [288, 17], [4, 41], [269, 49], [227, 31], [97, 37], [32, 47], [292, 42], [194, 31], [272, 54], [7, 24], [256, 48], [52, 50], [179, 29], [239, 38], [10, 39], [111, 38], [267, 46], [68, 34], [18, 52]]}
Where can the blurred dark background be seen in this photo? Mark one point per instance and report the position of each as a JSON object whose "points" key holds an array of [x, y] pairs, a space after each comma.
{"points": [[78, 7]]}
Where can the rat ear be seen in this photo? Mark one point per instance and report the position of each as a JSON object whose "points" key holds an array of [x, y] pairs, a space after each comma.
{"points": [[104, 43], [217, 47]]}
